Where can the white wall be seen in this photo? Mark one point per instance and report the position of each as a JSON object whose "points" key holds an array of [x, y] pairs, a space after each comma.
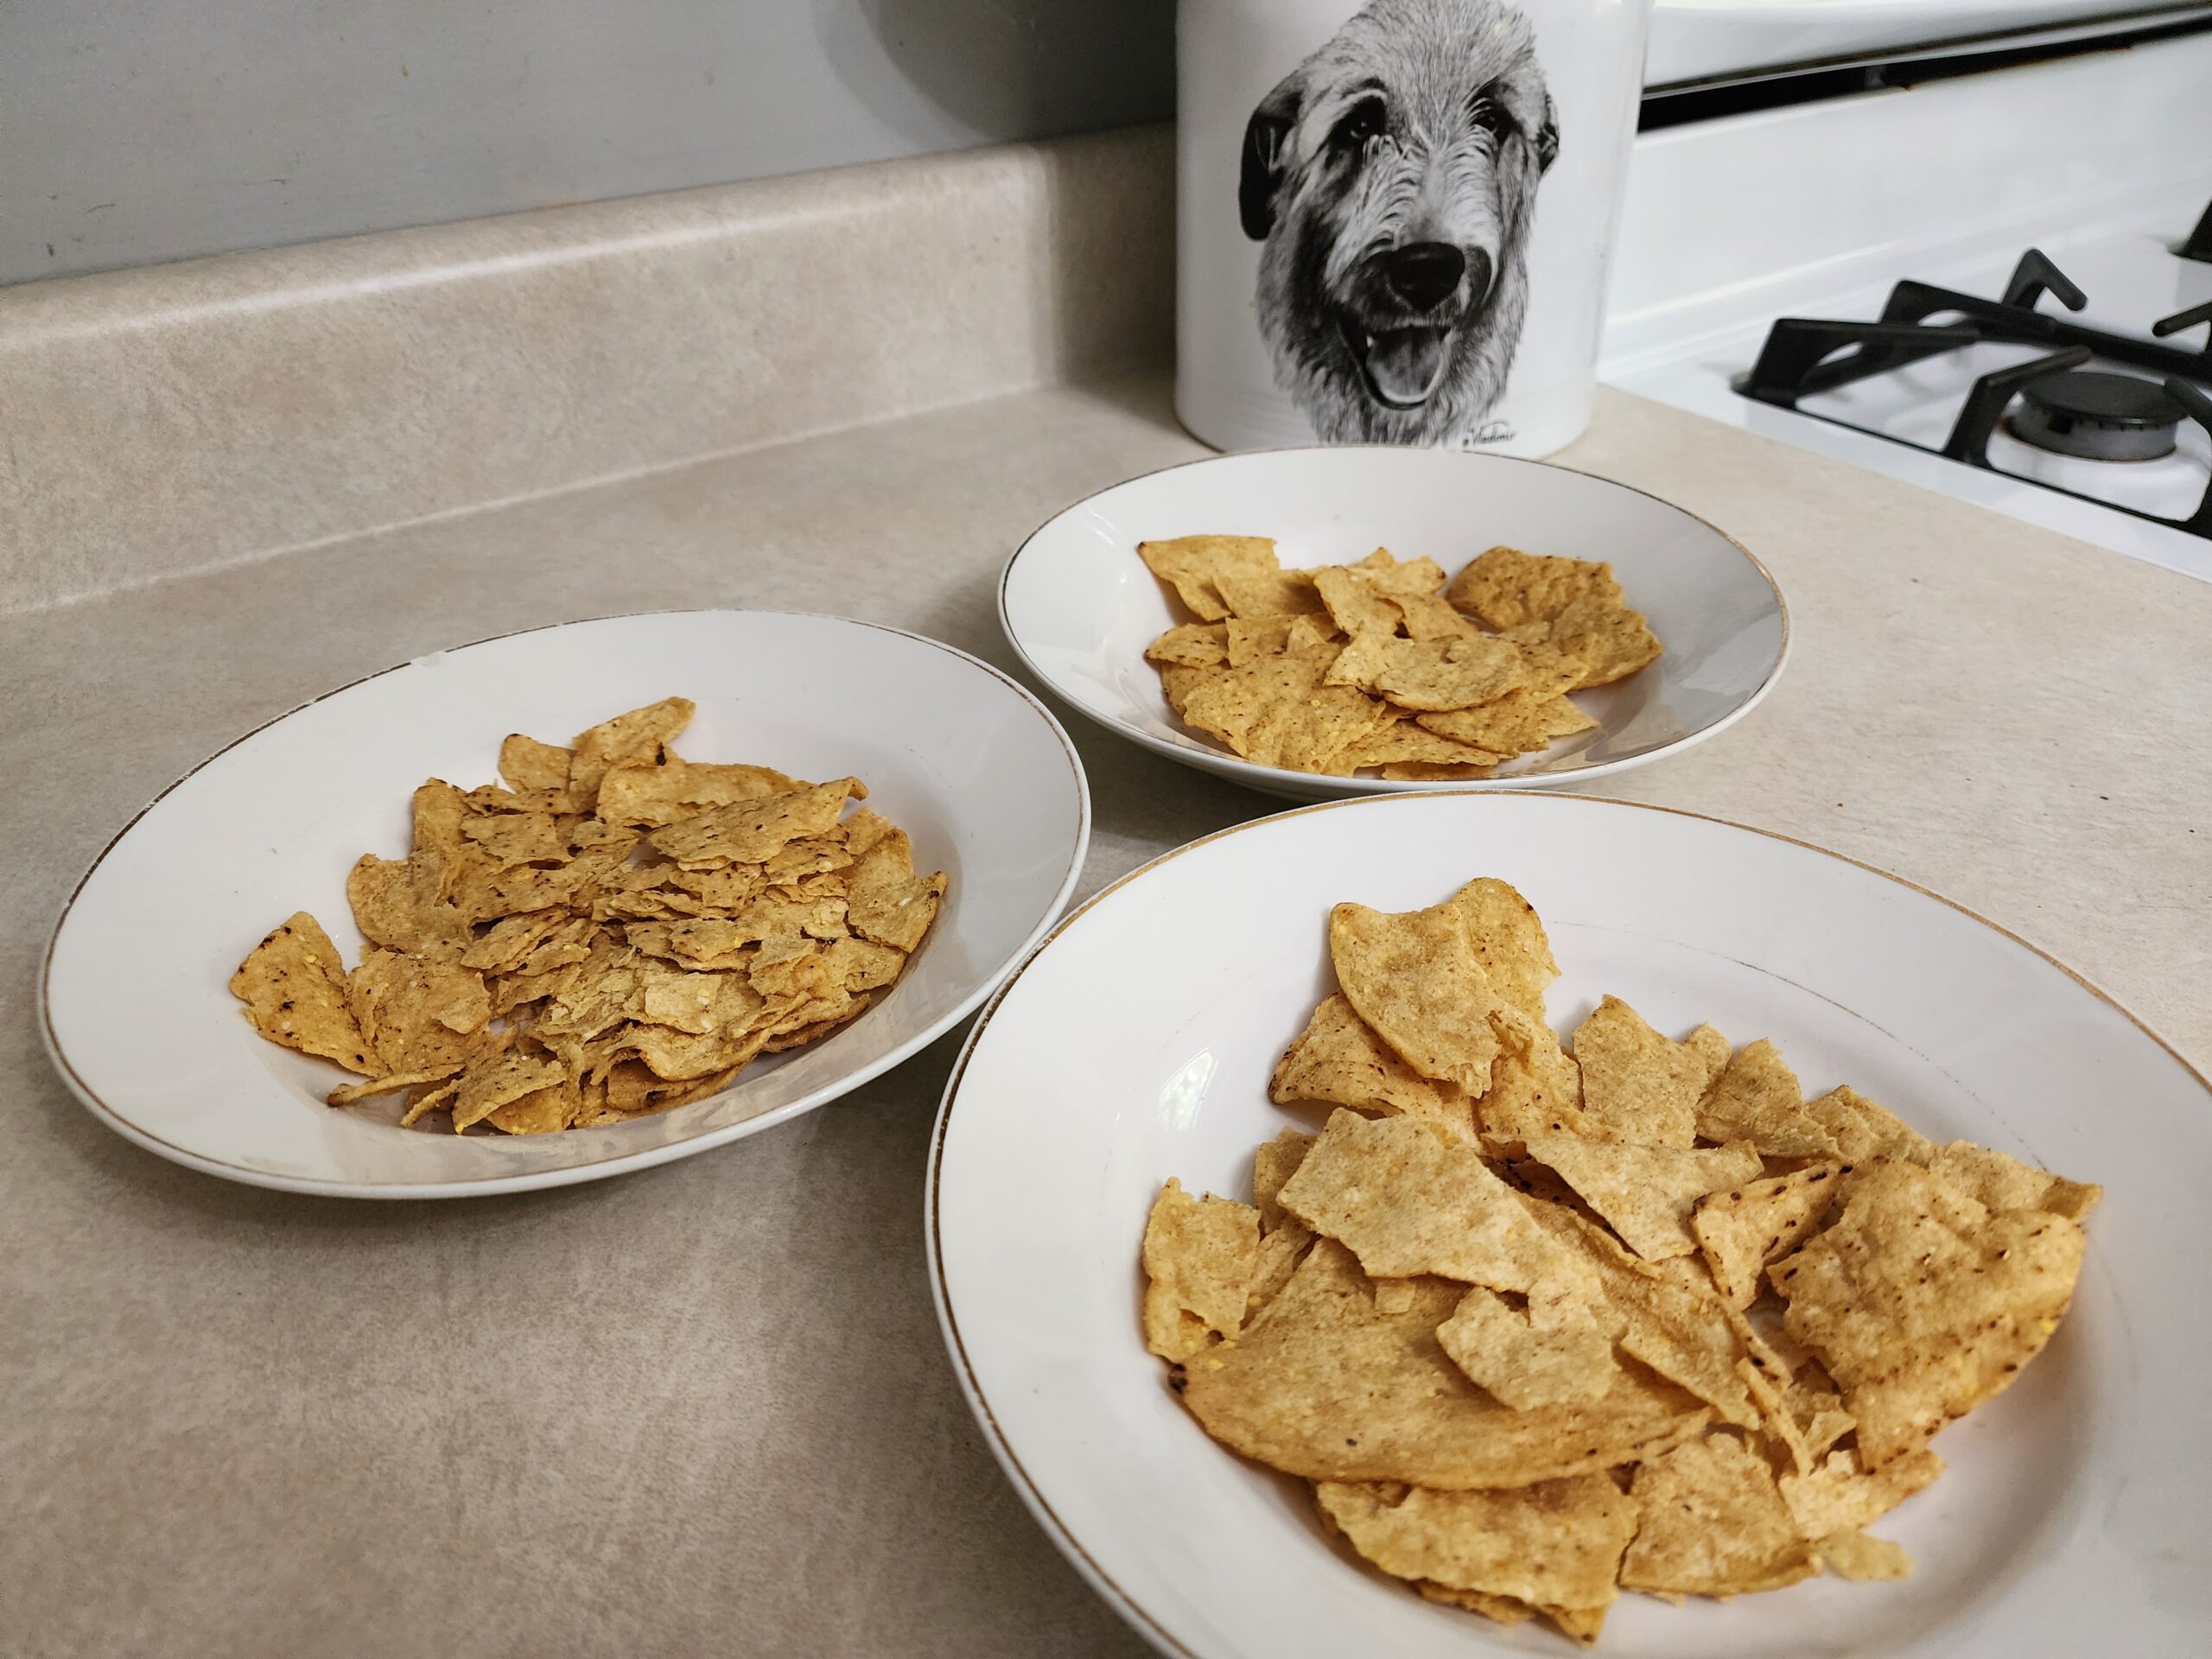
{"points": [[138, 131]]}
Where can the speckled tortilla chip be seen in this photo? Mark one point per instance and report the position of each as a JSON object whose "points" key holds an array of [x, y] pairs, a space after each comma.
{"points": [[1324, 1385], [1275, 711], [1755, 1098], [1408, 1198], [1339, 1060], [1639, 1086], [656, 790], [1743, 1228], [1401, 743], [754, 831], [1430, 616], [1644, 1193], [1189, 563], [508, 838], [1389, 575], [1200, 1256], [1553, 1352], [1711, 1524], [2000, 1181], [1612, 640], [1839, 1497], [1444, 674], [1921, 1304], [1355, 604], [497, 1076], [1534, 1086], [1507, 589], [416, 1014], [1178, 681], [1252, 639], [1556, 1542], [543, 1111], [885, 901], [866, 965], [510, 940], [1863, 1130], [1194, 644], [348, 1093], [1413, 976], [673, 1056], [694, 1002], [637, 735], [1519, 723], [530, 766], [1268, 592], [293, 984], [396, 903], [1274, 1162], [1509, 941], [1863, 1558]]}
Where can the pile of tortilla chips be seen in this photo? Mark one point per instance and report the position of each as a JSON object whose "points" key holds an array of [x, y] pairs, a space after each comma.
{"points": [[1353, 667], [1539, 1325], [616, 932]]}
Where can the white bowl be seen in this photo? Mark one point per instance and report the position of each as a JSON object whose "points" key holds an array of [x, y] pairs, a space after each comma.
{"points": [[1137, 1042], [135, 1004], [1080, 607]]}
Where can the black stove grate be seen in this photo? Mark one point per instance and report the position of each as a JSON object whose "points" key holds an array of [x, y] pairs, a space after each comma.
{"points": [[1806, 355]]}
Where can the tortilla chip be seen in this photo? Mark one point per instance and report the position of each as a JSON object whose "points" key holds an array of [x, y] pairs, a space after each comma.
{"points": [[1275, 710], [1637, 1085], [1430, 616], [1355, 604], [1921, 1303], [346, 1094], [1554, 1352], [1755, 1098], [293, 984], [1337, 1059], [1178, 683], [1408, 1198], [415, 1014], [1509, 941], [1519, 723], [1189, 563], [1323, 1384], [1195, 645], [886, 900], [1414, 978], [1274, 1162], [1864, 1131], [1506, 588], [2002, 1182], [1200, 1256], [1444, 674], [657, 790], [543, 1111], [1388, 574], [497, 1076], [1741, 1230], [866, 965], [1838, 1496], [1859, 1556], [1534, 1086], [510, 939], [752, 831], [1645, 1194], [397, 903], [509, 838], [1400, 743], [531, 767], [1268, 592], [1712, 1524], [1504, 1610], [1556, 1542], [1613, 640], [637, 735]]}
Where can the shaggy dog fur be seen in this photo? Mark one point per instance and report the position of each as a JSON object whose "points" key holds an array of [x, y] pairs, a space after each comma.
{"points": [[1393, 178]]}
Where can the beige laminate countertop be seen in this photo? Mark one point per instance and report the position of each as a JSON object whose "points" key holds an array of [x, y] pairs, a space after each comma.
{"points": [[704, 1408]]}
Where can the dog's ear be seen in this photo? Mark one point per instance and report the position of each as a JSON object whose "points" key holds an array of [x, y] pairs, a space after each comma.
{"points": [[1267, 136], [1547, 136]]}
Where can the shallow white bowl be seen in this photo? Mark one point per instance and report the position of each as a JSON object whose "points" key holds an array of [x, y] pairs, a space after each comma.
{"points": [[1080, 607], [1136, 1044], [135, 1006]]}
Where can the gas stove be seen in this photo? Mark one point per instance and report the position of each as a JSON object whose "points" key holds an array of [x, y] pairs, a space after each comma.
{"points": [[1998, 285]]}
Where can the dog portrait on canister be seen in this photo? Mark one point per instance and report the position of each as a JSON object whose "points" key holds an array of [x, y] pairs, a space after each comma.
{"points": [[1392, 178]]}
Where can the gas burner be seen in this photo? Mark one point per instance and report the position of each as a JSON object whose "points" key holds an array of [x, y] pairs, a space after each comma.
{"points": [[2098, 415]]}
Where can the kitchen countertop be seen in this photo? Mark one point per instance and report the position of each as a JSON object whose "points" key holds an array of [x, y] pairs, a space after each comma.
{"points": [[704, 1408]]}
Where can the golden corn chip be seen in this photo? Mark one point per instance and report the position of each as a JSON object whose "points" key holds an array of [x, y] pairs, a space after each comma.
{"points": [[1554, 1352], [569, 941], [2002, 1182], [1743, 1230], [1323, 1384], [1504, 1610], [1859, 1556], [1401, 743], [293, 984], [1268, 592], [1556, 1542], [673, 1056], [654, 792], [396, 903], [1392, 575], [1551, 668], [1430, 616], [866, 965], [1516, 722], [497, 1076], [428, 1098], [1282, 1247], [533, 767], [1612, 640], [1864, 1131], [1178, 681], [1354, 603], [694, 1003], [637, 735], [1251, 639], [348, 1093], [510, 939], [1921, 1303], [1275, 709], [416, 1014], [1839, 1497], [543, 1111], [1507, 589], [1637, 1085], [1200, 1256], [508, 838], [1644, 1193], [1444, 674], [1274, 1162], [885, 901], [754, 831], [1414, 978], [1339, 1060], [1361, 664], [1195, 645], [1189, 564], [1712, 1524], [1509, 941], [1430, 772], [1755, 1098], [1408, 1198]]}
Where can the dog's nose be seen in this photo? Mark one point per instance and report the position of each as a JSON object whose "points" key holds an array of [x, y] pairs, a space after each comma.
{"points": [[1425, 274]]}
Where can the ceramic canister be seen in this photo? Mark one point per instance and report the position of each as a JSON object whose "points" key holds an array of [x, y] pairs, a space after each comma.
{"points": [[1394, 219]]}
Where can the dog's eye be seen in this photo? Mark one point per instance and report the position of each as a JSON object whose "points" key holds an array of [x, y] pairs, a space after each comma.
{"points": [[1365, 120], [1486, 114]]}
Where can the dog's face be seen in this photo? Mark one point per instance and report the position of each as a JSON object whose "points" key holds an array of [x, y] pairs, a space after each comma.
{"points": [[1392, 176]]}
